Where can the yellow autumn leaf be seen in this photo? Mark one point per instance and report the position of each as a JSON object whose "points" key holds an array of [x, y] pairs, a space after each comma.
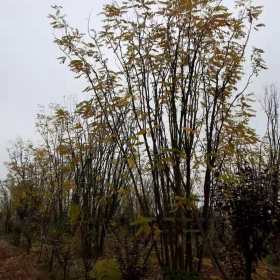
{"points": [[131, 163]]}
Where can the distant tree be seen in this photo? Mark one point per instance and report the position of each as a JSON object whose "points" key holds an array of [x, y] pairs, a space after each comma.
{"points": [[25, 192], [272, 111], [272, 147], [5, 206]]}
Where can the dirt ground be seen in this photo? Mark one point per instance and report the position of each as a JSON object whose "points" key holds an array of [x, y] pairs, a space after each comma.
{"points": [[263, 272], [15, 264]]}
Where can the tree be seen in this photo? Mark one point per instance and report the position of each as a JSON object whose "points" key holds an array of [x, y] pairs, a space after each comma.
{"points": [[167, 100], [246, 205], [88, 174], [25, 192], [5, 206], [271, 107], [272, 146]]}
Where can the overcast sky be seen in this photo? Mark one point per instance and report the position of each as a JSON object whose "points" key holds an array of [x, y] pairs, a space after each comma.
{"points": [[30, 74]]}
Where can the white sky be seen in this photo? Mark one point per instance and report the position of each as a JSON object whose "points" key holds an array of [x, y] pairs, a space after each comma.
{"points": [[30, 74]]}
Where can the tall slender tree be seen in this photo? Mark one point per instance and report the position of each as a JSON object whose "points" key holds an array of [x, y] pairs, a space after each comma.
{"points": [[164, 75]]}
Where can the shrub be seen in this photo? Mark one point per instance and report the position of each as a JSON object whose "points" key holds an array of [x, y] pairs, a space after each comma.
{"points": [[106, 269]]}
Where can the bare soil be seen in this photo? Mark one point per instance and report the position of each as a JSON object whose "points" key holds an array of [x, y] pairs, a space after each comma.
{"points": [[15, 264], [263, 272]]}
